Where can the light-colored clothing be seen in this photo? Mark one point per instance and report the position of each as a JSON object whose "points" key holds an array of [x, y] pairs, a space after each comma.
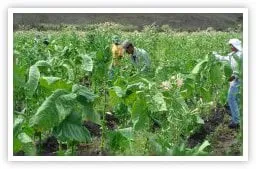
{"points": [[234, 85], [231, 59], [140, 59]]}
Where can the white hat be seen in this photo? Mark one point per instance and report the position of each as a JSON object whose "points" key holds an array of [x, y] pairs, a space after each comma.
{"points": [[236, 43]]}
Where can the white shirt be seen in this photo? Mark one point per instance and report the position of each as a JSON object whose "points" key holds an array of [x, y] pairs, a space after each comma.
{"points": [[140, 59], [230, 58]]}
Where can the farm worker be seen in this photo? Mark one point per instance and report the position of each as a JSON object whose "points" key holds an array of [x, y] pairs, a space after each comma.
{"points": [[117, 50], [233, 58], [117, 54], [139, 57]]}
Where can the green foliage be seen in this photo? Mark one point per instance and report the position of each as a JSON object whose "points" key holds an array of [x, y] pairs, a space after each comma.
{"points": [[48, 114], [51, 83], [22, 141], [196, 151], [199, 66], [32, 82], [160, 102], [139, 114], [119, 140], [34, 76], [57, 86], [87, 64], [71, 129]]}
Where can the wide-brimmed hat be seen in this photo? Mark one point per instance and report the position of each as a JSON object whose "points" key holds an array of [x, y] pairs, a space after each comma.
{"points": [[236, 43]]}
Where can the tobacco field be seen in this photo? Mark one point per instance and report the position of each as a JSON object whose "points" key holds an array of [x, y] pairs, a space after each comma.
{"points": [[66, 103]]}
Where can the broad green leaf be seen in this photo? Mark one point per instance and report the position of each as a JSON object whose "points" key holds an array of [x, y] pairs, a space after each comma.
{"points": [[176, 102], [198, 67], [126, 132], [227, 70], [84, 94], [100, 55], [203, 146], [24, 142], [150, 84], [130, 99], [199, 120], [156, 148], [69, 66], [65, 105], [160, 102], [216, 74], [86, 98], [87, 63], [29, 147], [54, 83], [17, 125], [71, 129], [18, 76], [42, 63], [47, 115], [17, 145], [136, 86], [90, 114], [139, 115], [107, 54], [118, 90], [71, 76], [69, 62], [117, 141], [50, 80], [206, 94], [121, 82], [33, 80], [180, 100], [114, 98], [24, 138]]}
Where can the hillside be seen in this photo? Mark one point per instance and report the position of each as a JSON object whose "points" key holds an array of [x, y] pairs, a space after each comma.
{"points": [[179, 21]]}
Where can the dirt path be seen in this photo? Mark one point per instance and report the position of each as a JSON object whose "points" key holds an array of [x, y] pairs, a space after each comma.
{"points": [[211, 122], [224, 141]]}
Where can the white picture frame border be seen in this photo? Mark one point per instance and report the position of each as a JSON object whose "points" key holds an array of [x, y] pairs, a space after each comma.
{"points": [[244, 157]]}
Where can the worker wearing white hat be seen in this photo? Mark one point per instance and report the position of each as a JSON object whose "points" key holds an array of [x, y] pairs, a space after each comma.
{"points": [[232, 58]]}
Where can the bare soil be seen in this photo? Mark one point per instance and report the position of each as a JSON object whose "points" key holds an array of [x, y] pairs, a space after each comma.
{"points": [[209, 126], [180, 21], [223, 140]]}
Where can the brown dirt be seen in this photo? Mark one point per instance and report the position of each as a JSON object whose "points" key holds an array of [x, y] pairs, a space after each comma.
{"points": [[209, 126], [95, 129], [49, 146], [223, 140], [91, 149], [180, 21]]}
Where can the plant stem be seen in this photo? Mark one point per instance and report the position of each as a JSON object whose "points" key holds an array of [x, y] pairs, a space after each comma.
{"points": [[104, 116], [40, 143], [72, 148]]}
